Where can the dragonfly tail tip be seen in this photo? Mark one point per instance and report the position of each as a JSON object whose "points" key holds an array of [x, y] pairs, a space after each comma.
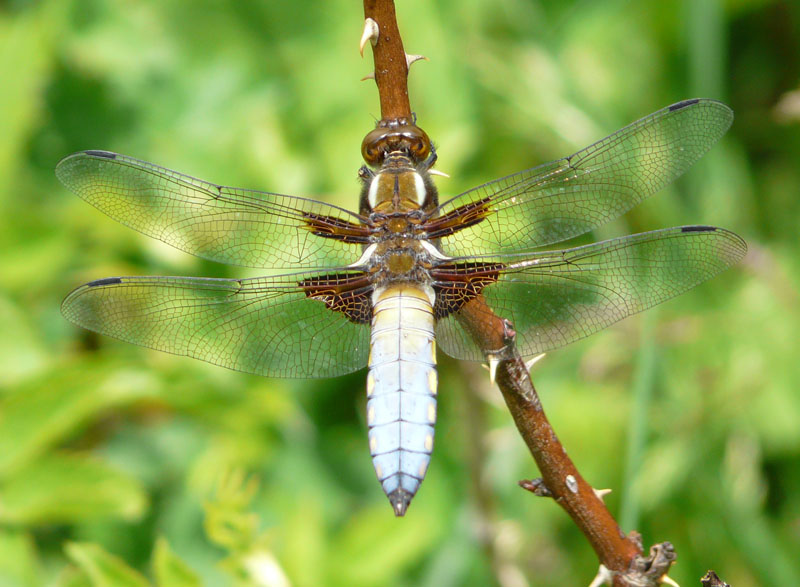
{"points": [[400, 498]]}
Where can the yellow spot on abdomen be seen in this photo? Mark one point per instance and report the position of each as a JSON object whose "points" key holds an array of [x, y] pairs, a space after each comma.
{"points": [[433, 382], [370, 382]]}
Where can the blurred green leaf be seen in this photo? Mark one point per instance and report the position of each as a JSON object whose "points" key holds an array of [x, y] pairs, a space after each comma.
{"points": [[63, 488], [231, 524], [43, 411], [21, 355], [228, 522], [104, 569], [72, 576], [26, 52], [169, 570], [304, 541], [18, 560], [374, 548]]}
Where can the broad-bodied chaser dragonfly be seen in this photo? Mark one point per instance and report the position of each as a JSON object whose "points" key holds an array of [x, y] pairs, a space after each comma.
{"points": [[381, 288]]}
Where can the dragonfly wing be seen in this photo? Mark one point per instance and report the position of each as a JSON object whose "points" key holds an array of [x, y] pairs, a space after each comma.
{"points": [[553, 298], [280, 326], [228, 225], [571, 196]]}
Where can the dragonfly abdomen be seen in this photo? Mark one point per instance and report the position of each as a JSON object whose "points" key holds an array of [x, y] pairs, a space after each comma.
{"points": [[401, 389]]}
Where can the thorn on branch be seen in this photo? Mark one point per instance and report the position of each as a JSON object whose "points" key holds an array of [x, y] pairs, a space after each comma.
{"points": [[604, 576], [601, 493], [531, 362], [371, 34], [494, 361], [414, 58], [536, 486]]}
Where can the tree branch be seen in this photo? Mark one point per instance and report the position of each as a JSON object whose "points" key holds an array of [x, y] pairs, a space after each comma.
{"points": [[391, 66], [620, 556]]}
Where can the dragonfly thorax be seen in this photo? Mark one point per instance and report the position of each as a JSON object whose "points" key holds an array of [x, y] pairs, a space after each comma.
{"points": [[400, 260], [401, 186]]}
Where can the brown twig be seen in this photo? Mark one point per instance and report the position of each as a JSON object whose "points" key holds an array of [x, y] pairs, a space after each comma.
{"points": [[560, 479], [391, 66], [620, 555]]}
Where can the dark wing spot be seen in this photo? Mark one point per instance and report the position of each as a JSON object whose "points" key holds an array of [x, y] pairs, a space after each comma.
{"points": [[348, 293], [683, 104], [104, 281], [105, 154], [456, 284], [698, 228]]}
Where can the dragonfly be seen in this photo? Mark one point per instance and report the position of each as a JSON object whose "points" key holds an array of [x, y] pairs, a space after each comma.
{"points": [[383, 287]]}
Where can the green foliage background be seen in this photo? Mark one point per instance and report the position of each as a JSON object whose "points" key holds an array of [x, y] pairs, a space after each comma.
{"points": [[123, 466]]}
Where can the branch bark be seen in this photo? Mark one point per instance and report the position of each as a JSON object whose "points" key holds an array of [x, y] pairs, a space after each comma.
{"points": [[391, 67], [619, 554]]}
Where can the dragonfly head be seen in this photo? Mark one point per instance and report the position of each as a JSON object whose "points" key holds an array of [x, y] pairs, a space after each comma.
{"points": [[395, 137], [404, 154]]}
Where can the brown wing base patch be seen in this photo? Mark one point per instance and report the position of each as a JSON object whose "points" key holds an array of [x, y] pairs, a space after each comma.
{"points": [[348, 293], [458, 283], [458, 219], [336, 228]]}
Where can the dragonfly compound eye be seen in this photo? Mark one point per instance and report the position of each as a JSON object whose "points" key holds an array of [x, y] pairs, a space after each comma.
{"points": [[409, 139], [419, 143], [371, 146]]}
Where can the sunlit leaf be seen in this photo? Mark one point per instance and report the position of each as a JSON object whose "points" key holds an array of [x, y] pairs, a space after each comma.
{"points": [[169, 569], [373, 548], [44, 410], [21, 355], [18, 564], [103, 568], [64, 488]]}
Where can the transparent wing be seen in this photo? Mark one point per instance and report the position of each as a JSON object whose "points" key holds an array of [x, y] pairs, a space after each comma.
{"points": [[267, 326], [229, 225], [556, 297], [571, 196]]}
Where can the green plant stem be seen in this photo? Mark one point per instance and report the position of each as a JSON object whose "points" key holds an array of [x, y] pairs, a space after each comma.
{"points": [[643, 385]]}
